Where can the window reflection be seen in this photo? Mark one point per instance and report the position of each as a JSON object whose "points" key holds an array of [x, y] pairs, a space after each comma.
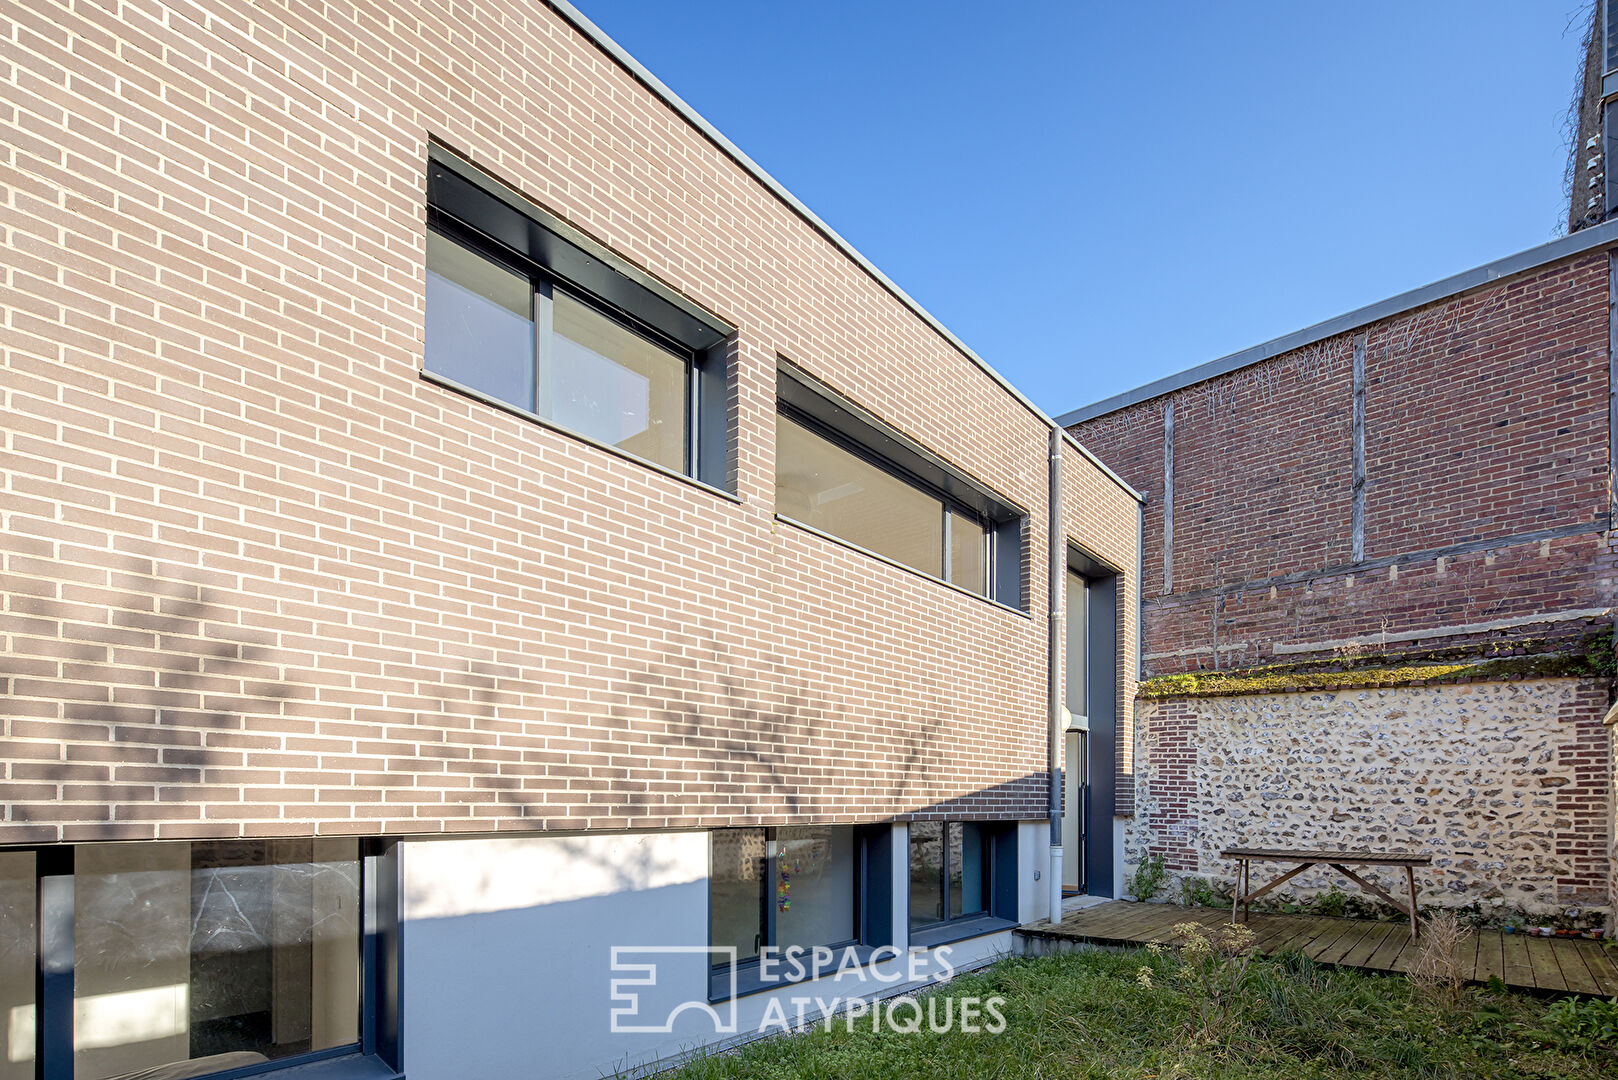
{"points": [[606, 381], [480, 328], [200, 957], [823, 485]]}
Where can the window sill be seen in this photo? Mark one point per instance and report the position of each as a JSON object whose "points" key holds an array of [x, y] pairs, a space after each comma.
{"points": [[351, 1066], [960, 930], [550, 425], [750, 978], [897, 565]]}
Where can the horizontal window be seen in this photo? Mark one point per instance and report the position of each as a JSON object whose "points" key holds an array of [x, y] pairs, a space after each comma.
{"points": [[529, 344], [845, 475], [961, 870], [187, 959], [595, 353]]}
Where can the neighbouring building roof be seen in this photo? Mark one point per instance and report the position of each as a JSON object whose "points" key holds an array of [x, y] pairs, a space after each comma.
{"points": [[1591, 239]]}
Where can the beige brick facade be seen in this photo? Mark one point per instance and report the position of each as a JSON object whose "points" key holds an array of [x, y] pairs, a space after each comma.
{"points": [[261, 578]]}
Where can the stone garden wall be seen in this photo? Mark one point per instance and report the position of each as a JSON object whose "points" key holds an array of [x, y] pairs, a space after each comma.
{"points": [[1507, 784]]}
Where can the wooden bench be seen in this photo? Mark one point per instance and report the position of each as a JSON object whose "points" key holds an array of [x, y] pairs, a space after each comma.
{"points": [[1241, 905]]}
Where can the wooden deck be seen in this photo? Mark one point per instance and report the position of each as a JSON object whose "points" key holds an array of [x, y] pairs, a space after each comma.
{"points": [[1551, 965]]}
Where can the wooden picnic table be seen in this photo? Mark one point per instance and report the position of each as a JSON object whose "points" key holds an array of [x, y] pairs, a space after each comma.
{"points": [[1241, 905]]}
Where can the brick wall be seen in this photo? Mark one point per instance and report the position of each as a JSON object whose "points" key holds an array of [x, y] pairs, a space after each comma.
{"points": [[1486, 465], [262, 579]]}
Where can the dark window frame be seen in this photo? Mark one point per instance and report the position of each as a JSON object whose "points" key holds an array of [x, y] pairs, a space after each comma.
{"points": [[804, 400], [999, 839], [868, 846], [947, 501], [542, 284], [380, 955], [472, 208]]}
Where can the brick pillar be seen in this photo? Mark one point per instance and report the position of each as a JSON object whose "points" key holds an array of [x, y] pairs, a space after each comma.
{"points": [[1173, 827]]}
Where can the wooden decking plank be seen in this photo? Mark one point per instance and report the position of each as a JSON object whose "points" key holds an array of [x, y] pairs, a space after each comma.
{"points": [[1091, 920], [1354, 932], [1283, 933], [1575, 972], [1327, 932], [1101, 922], [1388, 952], [1598, 962], [1489, 960], [1519, 972], [1304, 931], [1542, 958], [1375, 933], [1118, 921], [1553, 964], [1407, 954], [1469, 955], [1269, 929], [1144, 925]]}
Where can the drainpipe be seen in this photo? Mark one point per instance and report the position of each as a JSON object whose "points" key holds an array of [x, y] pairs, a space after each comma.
{"points": [[1058, 567]]}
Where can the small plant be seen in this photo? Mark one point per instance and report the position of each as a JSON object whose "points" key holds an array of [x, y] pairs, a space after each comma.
{"points": [[1148, 878], [1332, 902], [1197, 892], [1213, 966], [1588, 1022], [1437, 968]]}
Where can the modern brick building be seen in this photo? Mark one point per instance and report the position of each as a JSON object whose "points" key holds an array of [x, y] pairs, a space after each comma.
{"points": [[1378, 583], [459, 515]]}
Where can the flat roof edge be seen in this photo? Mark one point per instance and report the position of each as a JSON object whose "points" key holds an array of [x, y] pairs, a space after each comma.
{"points": [[583, 25], [1563, 247]]}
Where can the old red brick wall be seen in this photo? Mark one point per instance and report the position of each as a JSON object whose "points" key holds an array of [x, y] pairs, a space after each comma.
{"points": [[260, 578], [1486, 489]]}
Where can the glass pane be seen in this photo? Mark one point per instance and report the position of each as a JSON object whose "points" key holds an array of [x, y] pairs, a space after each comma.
{"points": [[819, 483], [967, 878], [968, 554], [1077, 661], [17, 938], [738, 890], [480, 329], [220, 954], [926, 872], [606, 381], [814, 886]]}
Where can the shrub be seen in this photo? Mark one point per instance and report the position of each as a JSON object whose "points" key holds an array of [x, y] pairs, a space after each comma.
{"points": [[1587, 1022], [1333, 901], [1148, 879], [1199, 892], [1437, 967], [1213, 967]]}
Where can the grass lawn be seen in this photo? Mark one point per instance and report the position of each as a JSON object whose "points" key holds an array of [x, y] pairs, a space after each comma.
{"points": [[1092, 1014]]}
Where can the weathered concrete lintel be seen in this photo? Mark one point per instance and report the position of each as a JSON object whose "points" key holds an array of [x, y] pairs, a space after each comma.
{"points": [[1457, 630], [1469, 547]]}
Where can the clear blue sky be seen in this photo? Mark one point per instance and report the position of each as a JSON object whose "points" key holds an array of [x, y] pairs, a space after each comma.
{"points": [[1096, 194]]}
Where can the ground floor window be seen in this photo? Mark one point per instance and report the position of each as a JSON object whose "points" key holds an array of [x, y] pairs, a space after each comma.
{"points": [[784, 888], [172, 960], [953, 870]]}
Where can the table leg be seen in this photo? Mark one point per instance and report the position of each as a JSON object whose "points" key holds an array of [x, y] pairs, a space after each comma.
{"points": [[1236, 893], [1410, 879]]}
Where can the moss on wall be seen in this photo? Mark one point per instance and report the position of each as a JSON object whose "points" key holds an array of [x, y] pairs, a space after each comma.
{"points": [[1487, 662]]}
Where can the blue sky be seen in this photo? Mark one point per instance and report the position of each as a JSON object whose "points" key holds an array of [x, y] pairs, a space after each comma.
{"points": [[1093, 195]]}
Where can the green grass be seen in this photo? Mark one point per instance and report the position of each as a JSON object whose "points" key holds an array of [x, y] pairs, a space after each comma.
{"points": [[1085, 1014]]}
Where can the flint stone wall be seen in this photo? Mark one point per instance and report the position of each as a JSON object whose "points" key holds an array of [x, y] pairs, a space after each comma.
{"points": [[1508, 785]]}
